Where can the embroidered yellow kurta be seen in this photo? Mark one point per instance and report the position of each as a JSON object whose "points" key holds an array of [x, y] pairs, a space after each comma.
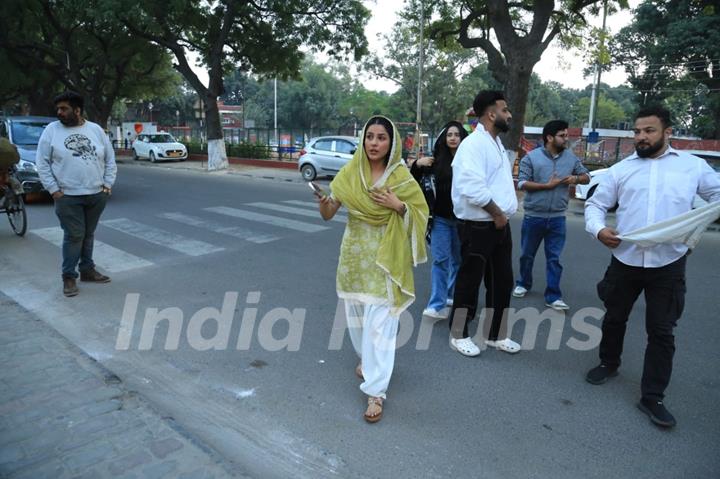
{"points": [[380, 247]]}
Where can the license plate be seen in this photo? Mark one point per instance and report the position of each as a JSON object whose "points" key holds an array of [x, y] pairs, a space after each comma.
{"points": [[174, 153]]}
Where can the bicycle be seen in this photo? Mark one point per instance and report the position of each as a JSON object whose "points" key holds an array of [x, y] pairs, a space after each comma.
{"points": [[11, 201]]}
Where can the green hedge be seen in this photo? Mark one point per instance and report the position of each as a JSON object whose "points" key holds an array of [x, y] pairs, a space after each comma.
{"points": [[240, 150]]}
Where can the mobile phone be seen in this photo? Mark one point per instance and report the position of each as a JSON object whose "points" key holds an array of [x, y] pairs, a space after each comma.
{"points": [[318, 191]]}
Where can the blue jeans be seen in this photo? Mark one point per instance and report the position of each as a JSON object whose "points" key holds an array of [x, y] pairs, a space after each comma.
{"points": [[79, 216], [552, 231], [445, 250]]}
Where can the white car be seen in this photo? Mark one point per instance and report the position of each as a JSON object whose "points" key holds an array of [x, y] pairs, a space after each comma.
{"points": [[583, 192], [158, 147]]}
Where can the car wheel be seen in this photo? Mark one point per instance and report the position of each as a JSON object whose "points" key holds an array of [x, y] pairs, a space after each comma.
{"points": [[152, 157], [308, 172], [591, 192], [135, 155]]}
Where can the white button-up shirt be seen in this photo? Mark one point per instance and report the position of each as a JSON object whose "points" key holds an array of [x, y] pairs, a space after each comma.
{"points": [[647, 191], [482, 173]]}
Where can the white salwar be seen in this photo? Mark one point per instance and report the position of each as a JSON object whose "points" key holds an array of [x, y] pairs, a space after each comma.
{"points": [[373, 333]]}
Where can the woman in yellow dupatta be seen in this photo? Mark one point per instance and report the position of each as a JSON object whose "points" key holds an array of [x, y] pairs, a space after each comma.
{"points": [[383, 240]]}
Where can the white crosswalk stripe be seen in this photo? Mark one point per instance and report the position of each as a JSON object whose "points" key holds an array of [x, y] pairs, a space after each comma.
{"points": [[235, 231], [293, 211], [161, 237], [107, 257], [267, 219]]}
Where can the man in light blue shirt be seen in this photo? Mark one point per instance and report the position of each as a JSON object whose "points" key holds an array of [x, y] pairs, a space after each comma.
{"points": [[546, 174]]}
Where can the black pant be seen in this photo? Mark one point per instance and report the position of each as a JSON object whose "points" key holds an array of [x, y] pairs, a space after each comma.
{"points": [[664, 289], [485, 252]]}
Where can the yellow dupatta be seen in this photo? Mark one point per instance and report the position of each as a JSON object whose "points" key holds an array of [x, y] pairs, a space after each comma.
{"points": [[402, 245]]}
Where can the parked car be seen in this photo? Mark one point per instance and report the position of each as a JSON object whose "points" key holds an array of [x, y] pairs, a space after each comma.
{"points": [[325, 155], [24, 132], [158, 147], [583, 192]]}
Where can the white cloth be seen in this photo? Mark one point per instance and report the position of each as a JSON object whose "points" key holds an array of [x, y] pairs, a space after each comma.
{"points": [[686, 228], [373, 332], [649, 191], [482, 173]]}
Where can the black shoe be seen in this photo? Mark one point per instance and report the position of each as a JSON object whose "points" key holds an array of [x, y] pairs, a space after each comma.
{"points": [[656, 412], [600, 374], [70, 287]]}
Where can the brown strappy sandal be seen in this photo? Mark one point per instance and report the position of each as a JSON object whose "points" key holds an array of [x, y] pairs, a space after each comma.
{"points": [[374, 410], [358, 371]]}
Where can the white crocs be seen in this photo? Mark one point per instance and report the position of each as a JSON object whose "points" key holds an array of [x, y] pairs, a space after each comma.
{"points": [[464, 346], [507, 345]]}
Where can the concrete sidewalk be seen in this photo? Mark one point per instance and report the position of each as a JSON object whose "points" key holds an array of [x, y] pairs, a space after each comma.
{"points": [[63, 415]]}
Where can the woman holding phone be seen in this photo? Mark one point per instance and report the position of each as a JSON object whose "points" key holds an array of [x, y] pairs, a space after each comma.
{"points": [[383, 240], [444, 239]]}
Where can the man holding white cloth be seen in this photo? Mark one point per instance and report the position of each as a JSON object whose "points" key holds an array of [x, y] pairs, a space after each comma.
{"points": [[653, 185]]}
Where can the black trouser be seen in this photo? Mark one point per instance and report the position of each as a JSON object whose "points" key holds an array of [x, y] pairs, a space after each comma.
{"points": [[665, 299], [485, 252]]}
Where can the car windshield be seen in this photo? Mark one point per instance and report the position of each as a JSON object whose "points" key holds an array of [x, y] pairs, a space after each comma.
{"points": [[27, 132], [164, 138]]}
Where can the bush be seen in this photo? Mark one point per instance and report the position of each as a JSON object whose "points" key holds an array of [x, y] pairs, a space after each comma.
{"points": [[240, 150]]}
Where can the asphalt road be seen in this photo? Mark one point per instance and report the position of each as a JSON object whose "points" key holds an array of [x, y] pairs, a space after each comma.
{"points": [[176, 242]]}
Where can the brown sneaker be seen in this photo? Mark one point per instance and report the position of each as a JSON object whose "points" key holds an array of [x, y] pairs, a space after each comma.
{"points": [[70, 287], [92, 276]]}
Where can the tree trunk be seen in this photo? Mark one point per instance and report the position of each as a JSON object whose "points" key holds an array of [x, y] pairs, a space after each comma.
{"points": [[217, 157], [516, 91]]}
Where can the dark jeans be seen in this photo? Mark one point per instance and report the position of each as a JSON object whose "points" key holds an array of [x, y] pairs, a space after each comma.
{"points": [[486, 252], [665, 299], [79, 216], [552, 232]]}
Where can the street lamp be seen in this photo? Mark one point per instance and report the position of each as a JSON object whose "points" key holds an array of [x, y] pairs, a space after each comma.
{"points": [[177, 118]]}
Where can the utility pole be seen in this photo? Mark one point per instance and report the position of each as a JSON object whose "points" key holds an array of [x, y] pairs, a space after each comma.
{"points": [[596, 79], [277, 140], [418, 115]]}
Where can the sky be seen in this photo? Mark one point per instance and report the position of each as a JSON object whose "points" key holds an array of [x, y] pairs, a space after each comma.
{"points": [[568, 73]]}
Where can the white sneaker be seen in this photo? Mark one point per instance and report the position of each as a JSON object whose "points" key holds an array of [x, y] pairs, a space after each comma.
{"points": [[464, 346], [449, 302], [507, 345], [558, 305], [434, 313], [519, 291]]}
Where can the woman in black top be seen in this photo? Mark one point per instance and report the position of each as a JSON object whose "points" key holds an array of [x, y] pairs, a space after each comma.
{"points": [[444, 241]]}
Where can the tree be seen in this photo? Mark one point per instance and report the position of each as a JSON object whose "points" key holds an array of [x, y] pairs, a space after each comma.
{"points": [[514, 36], [608, 114], [443, 68], [670, 52], [75, 44], [262, 36]]}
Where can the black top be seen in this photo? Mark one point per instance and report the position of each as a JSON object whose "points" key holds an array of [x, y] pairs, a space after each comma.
{"points": [[442, 204]]}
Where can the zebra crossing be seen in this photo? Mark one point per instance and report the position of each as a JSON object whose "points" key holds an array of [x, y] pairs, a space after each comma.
{"points": [[287, 217]]}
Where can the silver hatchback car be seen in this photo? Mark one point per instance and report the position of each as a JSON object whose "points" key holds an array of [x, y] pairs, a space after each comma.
{"points": [[325, 155]]}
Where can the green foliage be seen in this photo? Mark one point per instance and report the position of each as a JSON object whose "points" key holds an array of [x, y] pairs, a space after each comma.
{"points": [[263, 36], [76, 45], [238, 150], [670, 52]]}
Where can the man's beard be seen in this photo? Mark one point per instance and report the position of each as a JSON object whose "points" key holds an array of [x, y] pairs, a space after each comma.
{"points": [[650, 150], [70, 120], [559, 148], [501, 124]]}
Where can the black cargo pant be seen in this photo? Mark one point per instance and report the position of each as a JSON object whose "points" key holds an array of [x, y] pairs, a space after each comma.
{"points": [[664, 289], [486, 252]]}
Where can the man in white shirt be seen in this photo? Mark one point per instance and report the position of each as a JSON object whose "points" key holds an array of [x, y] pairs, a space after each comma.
{"points": [[76, 164], [483, 196], [654, 184]]}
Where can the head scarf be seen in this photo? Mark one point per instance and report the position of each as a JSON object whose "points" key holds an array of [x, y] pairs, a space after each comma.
{"points": [[402, 245]]}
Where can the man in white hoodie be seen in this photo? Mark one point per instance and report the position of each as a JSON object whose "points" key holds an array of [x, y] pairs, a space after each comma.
{"points": [[76, 164]]}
